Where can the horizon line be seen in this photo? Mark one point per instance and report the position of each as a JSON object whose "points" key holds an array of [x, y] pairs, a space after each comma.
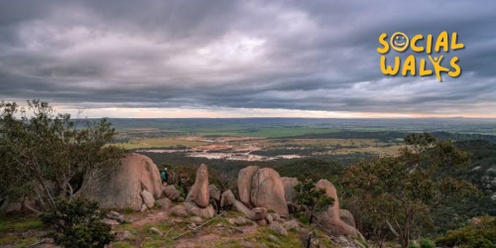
{"points": [[279, 117]]}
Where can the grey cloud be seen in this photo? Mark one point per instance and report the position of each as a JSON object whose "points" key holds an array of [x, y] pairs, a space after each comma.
{"points": [[313, 55]]}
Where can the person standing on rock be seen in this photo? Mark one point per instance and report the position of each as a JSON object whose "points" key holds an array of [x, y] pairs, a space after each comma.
{"points": [[164, 175]]}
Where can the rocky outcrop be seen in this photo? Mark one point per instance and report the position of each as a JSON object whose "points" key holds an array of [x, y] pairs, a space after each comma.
{"points": [[245, 177], [227, 198], [198, 199], [239, 221], [330, 218], [214, 192], [172, 193], [258, 213], [347, 217], [120, 187], [267, 190], [148, 199], [242, 208], [112, 223], [292, 225], [113, 215], [330, 190], [179, 210], [278, 228], [199, 191], [262, 222], [163, 203], [289, 191], [192, 208], [261, 188]]}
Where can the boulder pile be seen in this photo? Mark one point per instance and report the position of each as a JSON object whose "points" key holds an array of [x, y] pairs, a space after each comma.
{"points": [[263, 196], [133, 184], [262, 188], [198, 200]]}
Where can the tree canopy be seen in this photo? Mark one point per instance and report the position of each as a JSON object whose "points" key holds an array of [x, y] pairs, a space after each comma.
{"points": [[45, 155], [395, 195]]}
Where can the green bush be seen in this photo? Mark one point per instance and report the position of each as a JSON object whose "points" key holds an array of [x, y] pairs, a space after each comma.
{"points": [[427, 243], [77, 224], [412, 244], [302, 218], [424, 243], [481, 234], [314, 199]]}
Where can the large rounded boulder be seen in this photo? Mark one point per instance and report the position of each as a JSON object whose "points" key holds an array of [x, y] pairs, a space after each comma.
{"points": [[289, 190], [199, 192], [120, 187], [267, 190], [330, 218], [245, 177]]}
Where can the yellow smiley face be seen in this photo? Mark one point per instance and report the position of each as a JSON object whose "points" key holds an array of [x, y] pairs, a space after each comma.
{"points": [[399, 41]]}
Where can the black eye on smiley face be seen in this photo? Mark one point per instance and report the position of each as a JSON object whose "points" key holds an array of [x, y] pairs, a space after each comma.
{"points": [[399, 41]]}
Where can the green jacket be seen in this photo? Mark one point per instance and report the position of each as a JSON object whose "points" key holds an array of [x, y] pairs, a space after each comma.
{"points": [[163, 175]]}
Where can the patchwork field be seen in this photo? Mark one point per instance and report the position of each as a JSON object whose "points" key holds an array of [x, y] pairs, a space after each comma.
{"points": [[235, 142], [165, 142], [256, 148]]}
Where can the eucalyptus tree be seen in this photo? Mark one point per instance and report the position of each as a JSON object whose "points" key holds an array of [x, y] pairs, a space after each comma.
{"points": [[397, 194], [45, 155]]}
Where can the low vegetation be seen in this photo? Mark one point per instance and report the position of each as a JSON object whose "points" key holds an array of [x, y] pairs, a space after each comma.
{"points": [[77, 224], [315, 200], [480, 233]]}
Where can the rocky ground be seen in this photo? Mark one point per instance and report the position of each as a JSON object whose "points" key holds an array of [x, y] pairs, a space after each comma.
{"points": [[170, 228], [149, 214]]}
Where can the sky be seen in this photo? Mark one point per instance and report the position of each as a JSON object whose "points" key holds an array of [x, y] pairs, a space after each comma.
{"points": [[251, 58]]}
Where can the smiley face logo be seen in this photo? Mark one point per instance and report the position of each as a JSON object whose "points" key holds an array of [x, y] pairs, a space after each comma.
{"points": [[399, 41]]}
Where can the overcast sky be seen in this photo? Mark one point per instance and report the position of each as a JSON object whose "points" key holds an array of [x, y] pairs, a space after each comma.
{"points": [[230, 58]]}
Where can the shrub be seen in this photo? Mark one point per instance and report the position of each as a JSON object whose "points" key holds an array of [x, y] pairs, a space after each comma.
{"points": [[412, 244], [302, 218], [77, 223], [427, 243], [481, 234], [316, 200]]}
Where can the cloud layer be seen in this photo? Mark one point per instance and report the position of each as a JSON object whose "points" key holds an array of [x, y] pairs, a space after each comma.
{"points": [[282, 55]]}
